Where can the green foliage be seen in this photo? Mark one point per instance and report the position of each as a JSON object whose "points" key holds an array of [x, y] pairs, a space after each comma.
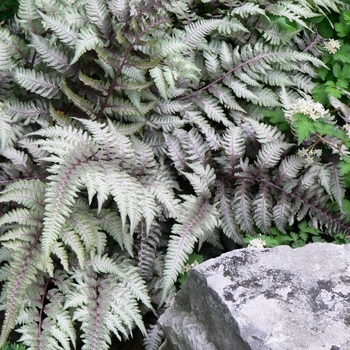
{"points": [[193, 260], [335, 80], [132, 133], [13, 346], [304, 235], [8, 8]]}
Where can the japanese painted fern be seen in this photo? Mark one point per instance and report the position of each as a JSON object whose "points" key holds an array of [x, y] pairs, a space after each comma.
{"points": [[130, 132]]}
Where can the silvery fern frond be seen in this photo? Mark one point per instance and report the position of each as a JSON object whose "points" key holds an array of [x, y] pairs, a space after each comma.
{"points": [[44, 84]]}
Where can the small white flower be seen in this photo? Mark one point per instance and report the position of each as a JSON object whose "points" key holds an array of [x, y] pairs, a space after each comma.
{"points": [[309, 154], [314, 110], [347, 129], [257, 243], [309, 159], [332, 46], [317, 152], [188, 267], [302, 152]]}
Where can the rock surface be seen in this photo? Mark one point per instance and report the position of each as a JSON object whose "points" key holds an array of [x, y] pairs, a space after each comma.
{"points": [[273, 299]]}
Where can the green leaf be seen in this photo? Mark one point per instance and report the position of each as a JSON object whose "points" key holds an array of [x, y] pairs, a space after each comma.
{"points": [[319, 94], [304, 127], [323, 72], [324, 128], [287, 25], [345, 166], [342, 83], [276, 117], [304, 236], [345, 73], [336, 70], [342, 29], [332, 89], [346, 205], [343, 54], [325, 29]]}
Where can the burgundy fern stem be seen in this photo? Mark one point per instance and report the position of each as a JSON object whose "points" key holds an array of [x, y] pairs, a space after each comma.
{"points": [[127, 54], [254, 59]]}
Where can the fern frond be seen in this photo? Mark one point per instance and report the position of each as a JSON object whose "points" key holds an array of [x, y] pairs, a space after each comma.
{"points": [[202, 179], [15, 46], [23, 273], [195, 146], [227, 217], [124, 108], [175, 151], [213, 65], [52, 55], [147, 249], [226, 57], [5, 57], [282, 211], [144, 157], [61, 27], [196, 217], [28, 14], [167, 122], [158, 75], [120, 9], [5, 129], [273, 33], [97, 13], [289, 168], [225, 97], [154, 337], [195, 32], [248, 9], [94, 83], [110, 222], [20, 160], [210, 105], [303, 82], [56, 328], [242, 206], [87, 106], [265, 133], [262, 209], [168, 47], [27, 112], [195, 118], [325, 178], [125, 272], [87, 40], [29, 193], [337, 185], [234, 145], [270, 154], [163, 193], [43, 84], [134, 73], [240, 89], [107, 307]]}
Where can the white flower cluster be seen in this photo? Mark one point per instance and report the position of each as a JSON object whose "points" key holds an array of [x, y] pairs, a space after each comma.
{"points": [[314, 110], [257, 243], [332, 46], [309, 154], [188, 267], [347, 129]]}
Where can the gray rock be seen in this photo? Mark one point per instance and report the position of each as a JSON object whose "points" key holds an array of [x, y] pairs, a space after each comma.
{"points": [[264, 299]]}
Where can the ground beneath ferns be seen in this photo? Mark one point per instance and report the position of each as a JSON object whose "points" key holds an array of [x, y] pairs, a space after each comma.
{"points": [[135, 343]]}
